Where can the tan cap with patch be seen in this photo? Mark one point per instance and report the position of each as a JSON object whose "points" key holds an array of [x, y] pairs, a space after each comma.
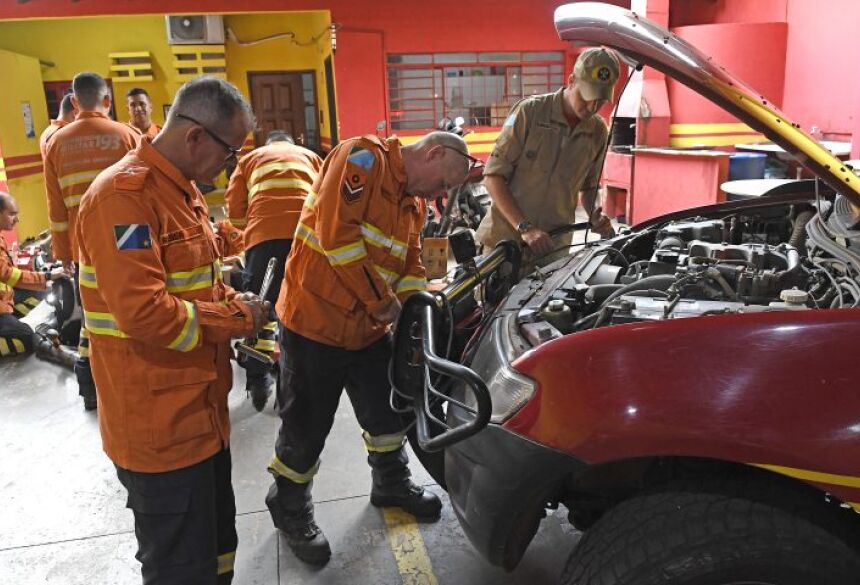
{"points": [[596, 71]]}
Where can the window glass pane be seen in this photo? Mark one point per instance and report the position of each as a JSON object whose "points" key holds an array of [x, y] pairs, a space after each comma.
{"points": [[547, 56], [455, 58], [496, 57], [406, 59]]}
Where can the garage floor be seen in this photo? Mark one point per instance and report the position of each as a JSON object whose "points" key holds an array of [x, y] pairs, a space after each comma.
{"points": [[64, 521]]}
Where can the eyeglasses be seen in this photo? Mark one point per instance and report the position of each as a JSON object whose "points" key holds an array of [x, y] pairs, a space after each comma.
{"points": [[474, 163], [231, 152]]}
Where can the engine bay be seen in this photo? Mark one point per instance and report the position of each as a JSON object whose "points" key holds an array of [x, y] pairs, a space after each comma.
{"points": [[784, 258]]}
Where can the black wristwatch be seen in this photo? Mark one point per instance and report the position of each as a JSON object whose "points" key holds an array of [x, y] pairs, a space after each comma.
{"points": [[524, 226]]}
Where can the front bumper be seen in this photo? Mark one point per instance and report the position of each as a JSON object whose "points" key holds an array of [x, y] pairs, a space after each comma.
{"points": [[499, 484]]}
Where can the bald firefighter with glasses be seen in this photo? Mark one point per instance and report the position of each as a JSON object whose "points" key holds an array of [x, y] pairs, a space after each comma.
{"points": [[355, 257]]}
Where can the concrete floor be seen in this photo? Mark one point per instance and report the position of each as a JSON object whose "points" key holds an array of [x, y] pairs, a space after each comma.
{"points": [[64, 521]]}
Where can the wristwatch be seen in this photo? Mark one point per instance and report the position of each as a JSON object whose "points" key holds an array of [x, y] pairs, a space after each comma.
{"points": [[524, 226]]}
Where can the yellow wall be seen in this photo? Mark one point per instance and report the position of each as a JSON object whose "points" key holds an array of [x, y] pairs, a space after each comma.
{"points": [[68, 46], [22, 83], [306, 51], [83, 44]]}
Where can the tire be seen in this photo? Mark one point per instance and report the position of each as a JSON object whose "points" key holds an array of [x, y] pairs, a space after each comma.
{"points": [[732, 533]]}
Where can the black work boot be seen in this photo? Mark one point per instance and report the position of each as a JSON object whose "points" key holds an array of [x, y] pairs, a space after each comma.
{"points": [[422, 504], [303, 535], [392, 486], [86, 384], [260, 388]]}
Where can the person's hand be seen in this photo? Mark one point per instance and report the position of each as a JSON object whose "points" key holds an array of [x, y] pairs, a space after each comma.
{"points": [[58, 272], [388, 313], [601, 224], [232, 262], [259, 309], [538, 241], [69, 265]]}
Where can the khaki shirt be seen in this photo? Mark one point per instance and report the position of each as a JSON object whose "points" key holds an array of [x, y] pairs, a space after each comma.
{"points": [[546, 163]]}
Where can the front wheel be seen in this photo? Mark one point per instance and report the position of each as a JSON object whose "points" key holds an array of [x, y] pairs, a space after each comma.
{"points": [[743, 534]]}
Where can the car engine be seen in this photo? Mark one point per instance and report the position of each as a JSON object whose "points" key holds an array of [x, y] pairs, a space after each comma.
{"points": [[692, 268]]}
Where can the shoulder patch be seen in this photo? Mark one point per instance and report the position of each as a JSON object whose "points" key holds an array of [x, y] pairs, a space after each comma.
{"points": [[131, 179], [134, 236], [361, 157]]}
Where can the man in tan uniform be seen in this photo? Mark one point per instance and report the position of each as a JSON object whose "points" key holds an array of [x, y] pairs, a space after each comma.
{"points": [[550, 149]]}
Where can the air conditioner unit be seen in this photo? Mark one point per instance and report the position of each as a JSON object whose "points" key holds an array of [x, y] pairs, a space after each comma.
{"points": [[195, 29]]}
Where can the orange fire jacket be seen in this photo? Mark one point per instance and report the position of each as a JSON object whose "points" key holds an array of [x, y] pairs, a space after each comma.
{"points": [[267, 191], [356, 246], [76, 154], [158, 315], [150, 133], [46, 135], [12, 277]]}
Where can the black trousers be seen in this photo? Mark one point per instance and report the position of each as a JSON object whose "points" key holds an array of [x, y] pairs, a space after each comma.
{"points": [[16, 338], [313, 376], [185, 522], [256, 259]]}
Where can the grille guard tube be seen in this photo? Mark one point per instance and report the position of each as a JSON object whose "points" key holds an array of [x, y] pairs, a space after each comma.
{"points": [[416, 355]]}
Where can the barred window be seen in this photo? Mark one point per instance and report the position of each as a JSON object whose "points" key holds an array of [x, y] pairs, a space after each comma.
{"points": [[480, 87]]}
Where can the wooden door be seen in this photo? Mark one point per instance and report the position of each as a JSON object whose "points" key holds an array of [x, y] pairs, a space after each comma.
{"points": [[278, 104]]}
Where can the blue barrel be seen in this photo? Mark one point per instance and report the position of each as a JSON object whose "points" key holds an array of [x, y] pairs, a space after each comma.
{"points": [[746, 165]]}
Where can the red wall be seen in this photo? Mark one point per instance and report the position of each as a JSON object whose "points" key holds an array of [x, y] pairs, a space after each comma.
{"points": [[821, 85], [752, 52], [693, 12]]}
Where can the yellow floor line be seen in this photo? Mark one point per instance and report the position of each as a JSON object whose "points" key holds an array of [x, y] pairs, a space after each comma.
{"points": [[406, 543]]}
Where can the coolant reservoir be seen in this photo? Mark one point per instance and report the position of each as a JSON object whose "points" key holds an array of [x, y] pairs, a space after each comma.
{"points": [[791, 298], [558, 314]]}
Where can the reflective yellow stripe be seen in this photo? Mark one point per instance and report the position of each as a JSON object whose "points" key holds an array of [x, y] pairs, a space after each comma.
{"points": [[59, 226], [383, 443], [238, 222], [277, 466], [19, 345], [337, 257], [14, 278], [84, 333], [73, 200], [22, 308], [387, 275], [190, 334], [87, 276], [410, 283], [78, 178], [200, 277], [814, 476], [267, 168], [310, 200], [32, 301], [4, 347], [103, 324], [265, 345], [279, 184], [3, 287], [271, 326], [84, 351], [226, 562], [375, 237]]}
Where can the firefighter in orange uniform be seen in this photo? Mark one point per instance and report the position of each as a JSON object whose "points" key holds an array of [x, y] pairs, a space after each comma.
{"points": [[16, 338], [66, 116], [264, 198], [160, 320], [76, 154], [140, 112], [356, 254]]}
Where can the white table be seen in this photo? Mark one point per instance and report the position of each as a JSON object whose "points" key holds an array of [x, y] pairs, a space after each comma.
{"points": [[751, 188], [836, 148]]}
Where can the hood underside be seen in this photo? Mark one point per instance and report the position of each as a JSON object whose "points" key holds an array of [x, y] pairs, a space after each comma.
{"points": [[640, 41]]}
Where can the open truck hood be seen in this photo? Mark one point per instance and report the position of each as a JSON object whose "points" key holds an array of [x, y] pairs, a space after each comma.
{"points": [[641, 41]]}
